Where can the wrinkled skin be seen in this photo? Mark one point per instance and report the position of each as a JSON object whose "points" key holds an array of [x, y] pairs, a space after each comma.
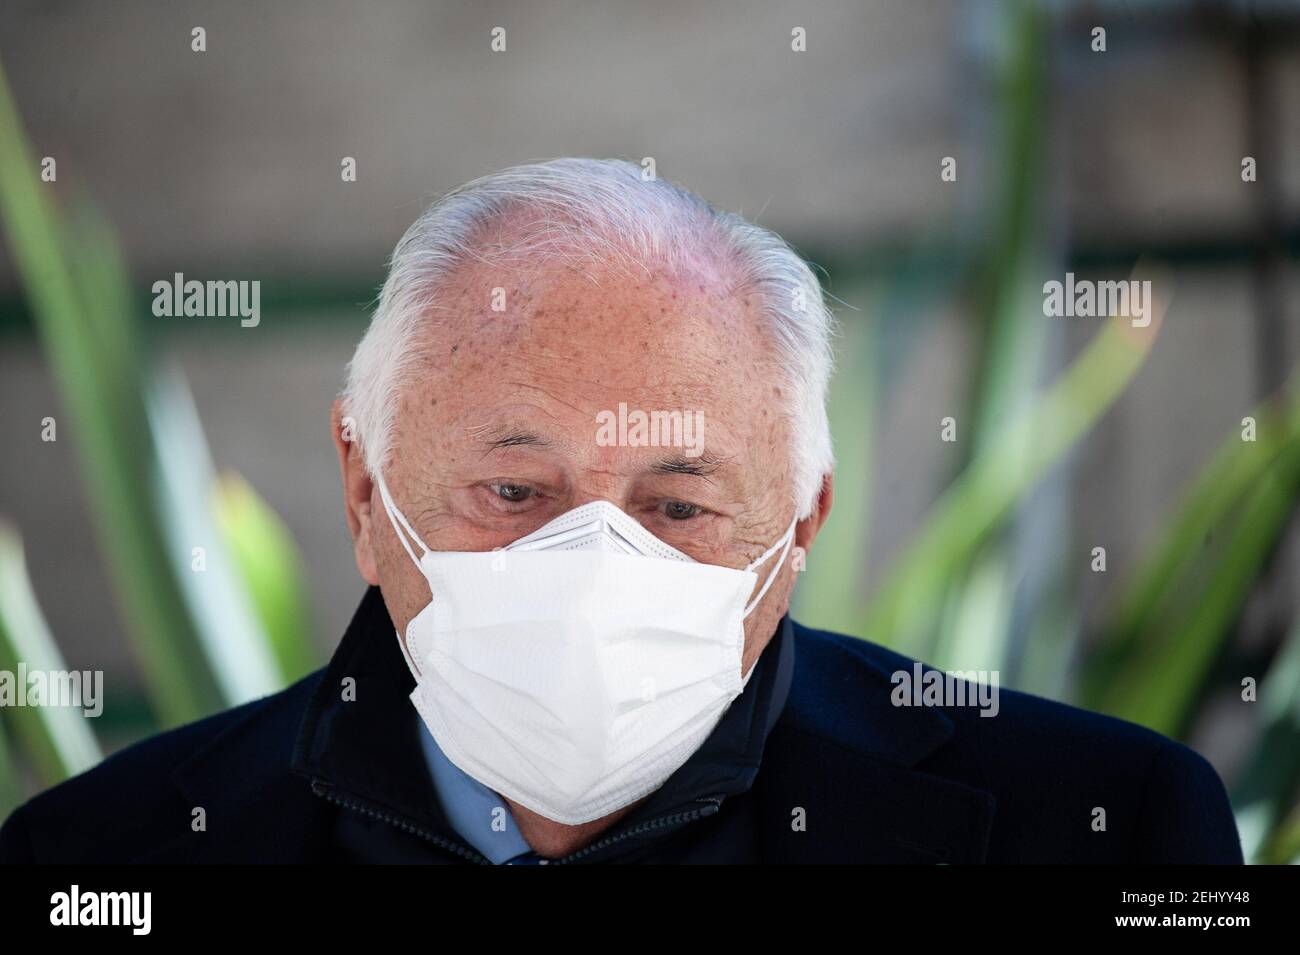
{"points": [[497, 436]]}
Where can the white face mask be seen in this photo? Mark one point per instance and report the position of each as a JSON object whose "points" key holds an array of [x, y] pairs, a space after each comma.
{"points": [[575, 670]]}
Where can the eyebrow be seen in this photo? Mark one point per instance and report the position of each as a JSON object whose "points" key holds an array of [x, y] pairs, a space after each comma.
{"points": [[504, 434], [518, 438], [702, 466]]}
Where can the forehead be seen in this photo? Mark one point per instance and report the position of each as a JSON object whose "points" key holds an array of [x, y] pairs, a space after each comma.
{"points": [[572, 340]]}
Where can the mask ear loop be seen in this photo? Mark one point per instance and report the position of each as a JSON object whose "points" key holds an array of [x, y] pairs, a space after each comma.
{"points": [[396, 518], [784, 544]]}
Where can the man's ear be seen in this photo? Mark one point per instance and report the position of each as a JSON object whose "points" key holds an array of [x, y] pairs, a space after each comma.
{"points": [[357, 491], [807, 529]]}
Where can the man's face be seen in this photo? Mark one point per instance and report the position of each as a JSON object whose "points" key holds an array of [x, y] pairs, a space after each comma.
{"points": [[499, 432]]}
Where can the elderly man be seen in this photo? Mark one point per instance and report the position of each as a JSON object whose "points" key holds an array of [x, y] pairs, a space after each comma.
{"points": [[584, 452]]}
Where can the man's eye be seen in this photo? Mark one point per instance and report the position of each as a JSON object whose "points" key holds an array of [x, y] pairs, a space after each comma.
{"points": [[680, 511], [514, 493]]}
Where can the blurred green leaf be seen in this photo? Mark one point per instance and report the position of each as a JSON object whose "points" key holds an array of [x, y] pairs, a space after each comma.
{"points": [[975, 626], [80, 298], [1012, 462], [271, 569], [1270, 783], [11, 793], [232, 638], [57, 739], [1176, 615]]}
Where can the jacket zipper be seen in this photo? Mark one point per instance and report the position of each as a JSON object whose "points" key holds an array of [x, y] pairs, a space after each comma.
{"points": [[327, 792], [713, 804]]}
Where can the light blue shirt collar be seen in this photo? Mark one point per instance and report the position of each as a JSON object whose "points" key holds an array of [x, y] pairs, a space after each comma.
{"points": [[478, 814]]}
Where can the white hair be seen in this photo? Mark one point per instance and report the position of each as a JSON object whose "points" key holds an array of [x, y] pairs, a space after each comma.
{"points": [[599, 209]]}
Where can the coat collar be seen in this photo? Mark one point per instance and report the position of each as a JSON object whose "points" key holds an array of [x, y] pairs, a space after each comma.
{"points": [[358, 734], [843, 751], [346, 726]]}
